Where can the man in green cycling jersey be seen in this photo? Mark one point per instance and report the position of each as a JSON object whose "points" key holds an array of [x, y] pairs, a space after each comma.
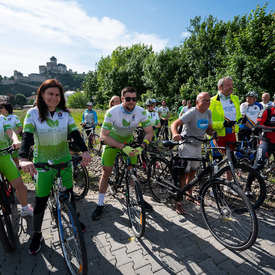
{"points": [[117, 130]]}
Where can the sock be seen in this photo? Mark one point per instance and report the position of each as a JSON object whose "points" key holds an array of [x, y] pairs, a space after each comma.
{"points": [[101, 199]]}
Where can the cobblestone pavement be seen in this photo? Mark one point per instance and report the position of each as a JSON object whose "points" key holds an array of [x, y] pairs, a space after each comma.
{"points": [[172, 244]]}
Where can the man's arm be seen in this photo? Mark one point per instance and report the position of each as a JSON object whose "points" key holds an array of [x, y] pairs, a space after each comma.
{"points": [[149, 133], [12, 135], [210, 131], [104, 135], [174, 129]]}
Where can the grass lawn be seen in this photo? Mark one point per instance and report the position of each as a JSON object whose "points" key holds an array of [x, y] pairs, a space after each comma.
{"points": [[76, 113]]}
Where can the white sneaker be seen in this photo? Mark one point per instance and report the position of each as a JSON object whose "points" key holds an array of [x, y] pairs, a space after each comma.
{"points": [[26, 211]]}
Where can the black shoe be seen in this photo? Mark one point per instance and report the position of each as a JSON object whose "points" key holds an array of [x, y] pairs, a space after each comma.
{"points": [[98, 212], [35, 245], [148, 207]]}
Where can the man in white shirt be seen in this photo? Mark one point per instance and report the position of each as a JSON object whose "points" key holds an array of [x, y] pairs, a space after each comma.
{"points": [[266, 101]]}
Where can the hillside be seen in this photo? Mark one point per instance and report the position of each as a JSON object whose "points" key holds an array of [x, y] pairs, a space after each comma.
{"points": [[68, 80]]}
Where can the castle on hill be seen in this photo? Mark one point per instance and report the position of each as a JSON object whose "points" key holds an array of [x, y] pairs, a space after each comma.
{"points": [[44, 71]]}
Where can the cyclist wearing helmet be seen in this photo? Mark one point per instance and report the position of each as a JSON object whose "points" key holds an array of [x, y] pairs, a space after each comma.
{"points": [[249, 111], [89, 118], [152, 115]]}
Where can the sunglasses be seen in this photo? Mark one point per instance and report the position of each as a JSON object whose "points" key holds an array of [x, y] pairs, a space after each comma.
{"points": [[128, 99]]}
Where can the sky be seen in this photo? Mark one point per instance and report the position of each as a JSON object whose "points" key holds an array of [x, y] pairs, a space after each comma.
{"points": [[79, 32]]}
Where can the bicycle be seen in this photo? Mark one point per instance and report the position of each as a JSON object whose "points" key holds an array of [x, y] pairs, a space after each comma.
{"points": [[226, 210], [125, 178], [81, 180], [164, 132], [7, 204], [92, 140], [69, 230]]}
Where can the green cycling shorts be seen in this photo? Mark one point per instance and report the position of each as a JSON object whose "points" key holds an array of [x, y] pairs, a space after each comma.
{"points": [[44, 180], [8, 167], [109, 154]]}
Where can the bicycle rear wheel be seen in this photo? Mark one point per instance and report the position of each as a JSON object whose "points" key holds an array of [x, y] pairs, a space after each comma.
{"points": [[228, 215], [71, 239], [250, 181], [159, 177], [96, 145], [80, 181], [135, 208]]}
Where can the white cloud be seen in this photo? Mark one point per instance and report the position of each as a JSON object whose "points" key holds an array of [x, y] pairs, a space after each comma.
{"points": [[35, 30], [185, 34]]}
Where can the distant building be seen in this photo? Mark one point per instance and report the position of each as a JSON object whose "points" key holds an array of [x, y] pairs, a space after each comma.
{"points": [[42, 69], [37, 77]]}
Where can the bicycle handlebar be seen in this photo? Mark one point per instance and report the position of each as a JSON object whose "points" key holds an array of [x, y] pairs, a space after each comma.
{"points": [[62, 165], [9, 149]]}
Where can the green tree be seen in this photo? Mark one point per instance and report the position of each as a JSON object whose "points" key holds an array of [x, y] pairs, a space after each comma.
{"points": [[20, 99], [78, 100]]}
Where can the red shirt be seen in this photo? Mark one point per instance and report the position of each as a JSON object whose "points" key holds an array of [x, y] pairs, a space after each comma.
{"points": [[263, 120]]}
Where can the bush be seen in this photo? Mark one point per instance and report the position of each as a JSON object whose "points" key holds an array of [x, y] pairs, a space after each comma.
{"points": [[78, 100]]}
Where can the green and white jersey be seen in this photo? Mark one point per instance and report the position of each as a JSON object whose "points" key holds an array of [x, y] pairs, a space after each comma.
{"points": [[154, 118], [13, 121], [163, 111], [50, 136], [4, 138], [122, 124]]}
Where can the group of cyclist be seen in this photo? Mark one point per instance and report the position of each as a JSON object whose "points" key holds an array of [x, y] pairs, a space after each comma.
{"points": [[48, 125]]}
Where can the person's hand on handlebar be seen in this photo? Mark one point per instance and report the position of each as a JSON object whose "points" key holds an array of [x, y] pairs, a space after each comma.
{"points": [[132, 152], [27, 166], [229, 123], [177, 137]]}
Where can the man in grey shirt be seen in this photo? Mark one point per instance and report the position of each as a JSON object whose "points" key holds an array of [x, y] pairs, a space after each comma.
{"points": [[196, 122]]}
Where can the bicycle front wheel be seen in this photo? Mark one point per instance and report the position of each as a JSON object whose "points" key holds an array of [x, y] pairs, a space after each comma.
{"points": [[71, 239], [250, 181], [159, 178], [135, 208], [80, 181], [7, 236], [228, 215]]}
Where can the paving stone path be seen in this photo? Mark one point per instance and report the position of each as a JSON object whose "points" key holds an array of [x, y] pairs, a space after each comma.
{"points": [[172, 244]]}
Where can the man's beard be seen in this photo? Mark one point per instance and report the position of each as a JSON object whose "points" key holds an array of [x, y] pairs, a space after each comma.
{"points": [[129, 109]]}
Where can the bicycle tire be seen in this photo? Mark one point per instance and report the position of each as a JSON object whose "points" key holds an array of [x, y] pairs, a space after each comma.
{"points": [[135, 208], [251, 182], [70, 235], [235, 225], [115, 180], [7, 236], [96, 146], [81, 181], [159, 173]]}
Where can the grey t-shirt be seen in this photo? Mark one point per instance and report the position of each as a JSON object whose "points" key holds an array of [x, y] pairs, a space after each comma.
{"points": [[195, 122]]}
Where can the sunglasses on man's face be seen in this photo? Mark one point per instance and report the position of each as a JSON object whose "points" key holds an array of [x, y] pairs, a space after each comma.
{"points": [[128, 99]]}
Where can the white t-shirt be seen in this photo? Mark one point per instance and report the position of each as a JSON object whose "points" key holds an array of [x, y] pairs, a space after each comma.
{"points": [[50, 136], [154, 118], [266, 105], [228, 107], [122, 124], [250, 111], [163, 111], [13, 121]]}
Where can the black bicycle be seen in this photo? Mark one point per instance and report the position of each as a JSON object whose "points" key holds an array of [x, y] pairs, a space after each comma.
{"points": [[225, 208], [7, 203], [65, 216], [124, 178], [81, 182], [92, 139]]}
